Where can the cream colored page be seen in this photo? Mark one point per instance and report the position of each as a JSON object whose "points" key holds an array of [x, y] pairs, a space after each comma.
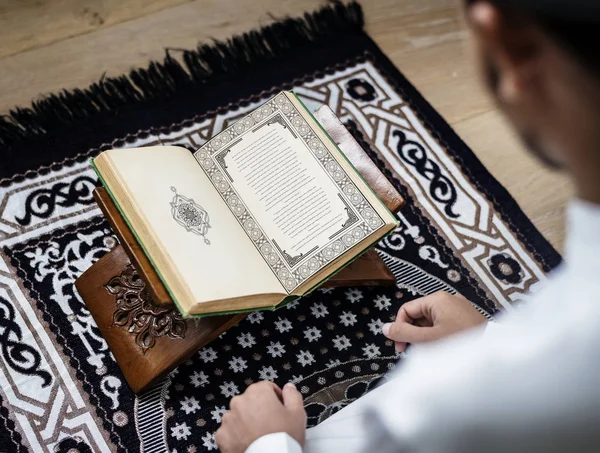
{"points": [[295, 200], [286, 189], [229, 266]]}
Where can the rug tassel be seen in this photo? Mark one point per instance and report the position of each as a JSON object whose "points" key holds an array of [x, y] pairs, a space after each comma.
{"points": [[167, 78]]}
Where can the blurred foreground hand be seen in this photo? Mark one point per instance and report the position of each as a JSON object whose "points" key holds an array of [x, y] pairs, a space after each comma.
{"points": [[262, 409]]}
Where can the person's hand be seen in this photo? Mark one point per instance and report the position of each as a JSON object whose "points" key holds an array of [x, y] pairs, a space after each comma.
{"points": [[431, 318], [262, 409]]}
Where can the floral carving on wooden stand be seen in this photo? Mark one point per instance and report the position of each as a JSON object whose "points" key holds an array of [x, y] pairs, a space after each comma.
{"points": [[136, 312]]}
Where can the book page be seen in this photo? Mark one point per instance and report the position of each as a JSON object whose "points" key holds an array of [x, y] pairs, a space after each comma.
{"points": [[191, 235], [293, 198]]}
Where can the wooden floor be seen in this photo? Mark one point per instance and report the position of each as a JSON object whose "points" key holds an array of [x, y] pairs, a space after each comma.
{"points": [[49, 45]]}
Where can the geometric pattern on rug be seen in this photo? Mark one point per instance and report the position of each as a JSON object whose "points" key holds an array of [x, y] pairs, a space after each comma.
{"points": [[61, 388]]}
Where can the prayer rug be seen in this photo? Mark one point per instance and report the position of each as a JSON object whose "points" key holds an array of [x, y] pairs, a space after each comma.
{"points": [[460, 231]]}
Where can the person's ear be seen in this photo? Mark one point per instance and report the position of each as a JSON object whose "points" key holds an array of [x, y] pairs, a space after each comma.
{"points": [[510, 46]]}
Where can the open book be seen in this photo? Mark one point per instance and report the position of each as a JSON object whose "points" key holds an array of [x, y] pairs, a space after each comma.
{"points": [[257, 216]]}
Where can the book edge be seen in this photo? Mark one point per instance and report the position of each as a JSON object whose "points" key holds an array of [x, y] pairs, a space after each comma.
{"points": [[137, 238]]}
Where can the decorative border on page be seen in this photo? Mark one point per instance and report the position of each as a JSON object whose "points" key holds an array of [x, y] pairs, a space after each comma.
{"points": [[291, 274]]}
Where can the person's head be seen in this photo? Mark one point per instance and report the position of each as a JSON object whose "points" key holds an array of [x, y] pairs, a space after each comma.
{"points": [[541, 60]]}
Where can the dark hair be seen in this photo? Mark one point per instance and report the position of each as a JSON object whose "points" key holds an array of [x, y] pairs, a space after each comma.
{"points": [[571, 24]]}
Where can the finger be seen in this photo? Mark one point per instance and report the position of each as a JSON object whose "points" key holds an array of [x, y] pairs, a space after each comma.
{"points": [[265, 389], [292, 398], [423, 322], [402, 331], [400, 346], [226, 418], [221, 438], [235, 402], [417, 309], [277, 390]]}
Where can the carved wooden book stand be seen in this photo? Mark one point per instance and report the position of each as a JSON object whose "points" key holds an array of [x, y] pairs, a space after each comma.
{"points": [[144, 330]]}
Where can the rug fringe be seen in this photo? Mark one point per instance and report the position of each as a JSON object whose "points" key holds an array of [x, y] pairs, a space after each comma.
{"points": [[164, 79]]}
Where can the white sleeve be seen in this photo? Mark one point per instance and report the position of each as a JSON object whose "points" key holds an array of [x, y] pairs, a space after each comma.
{"points": [[530, 384], [275, 443], [491, 328]]}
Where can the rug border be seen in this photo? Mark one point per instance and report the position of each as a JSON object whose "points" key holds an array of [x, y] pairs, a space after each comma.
{"points": [[485, 299], [105, 420], [510, 211]]}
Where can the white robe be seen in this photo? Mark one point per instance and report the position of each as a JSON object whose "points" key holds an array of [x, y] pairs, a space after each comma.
{"points": [[530, 383]]}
